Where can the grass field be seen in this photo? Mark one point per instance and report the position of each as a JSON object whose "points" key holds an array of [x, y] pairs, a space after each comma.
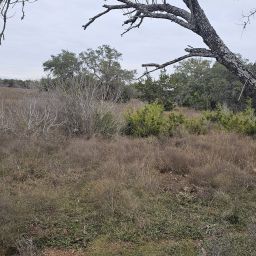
{"points": [[185, 195]]}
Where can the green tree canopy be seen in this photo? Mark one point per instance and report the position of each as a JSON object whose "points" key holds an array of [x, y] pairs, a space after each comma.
{"points": [[64, 65], [102, 65]]}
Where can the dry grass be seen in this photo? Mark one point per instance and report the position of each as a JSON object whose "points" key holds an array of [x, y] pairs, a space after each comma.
{"points": [[127, 196], [16, 93], [115, 179]]}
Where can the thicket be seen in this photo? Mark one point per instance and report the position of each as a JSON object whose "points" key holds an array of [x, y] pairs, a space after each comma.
{"points": [[198, 84], [151, 120], [75, 108], [102, 65], [242, 122]]}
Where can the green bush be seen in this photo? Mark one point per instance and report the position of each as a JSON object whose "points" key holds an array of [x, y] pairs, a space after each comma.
{"points": [[146, 121], [151, 120], [197, 125], [174, 121], [105, 124], [242, 122]]}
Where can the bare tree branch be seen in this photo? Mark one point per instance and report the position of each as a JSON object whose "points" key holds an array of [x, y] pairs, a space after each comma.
{"points": [[192, 18], [159, 11], [248, 18], [192, 52], [5, 6]]}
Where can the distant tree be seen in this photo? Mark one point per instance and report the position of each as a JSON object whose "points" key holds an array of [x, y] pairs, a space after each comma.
{"points": [[157, 90], [193, 18], [64, 65], [104, 65], [190, 83], [198, 83]]}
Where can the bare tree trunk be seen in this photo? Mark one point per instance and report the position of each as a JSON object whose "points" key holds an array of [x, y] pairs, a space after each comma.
{"points": [[193, 19], [218, 47]]}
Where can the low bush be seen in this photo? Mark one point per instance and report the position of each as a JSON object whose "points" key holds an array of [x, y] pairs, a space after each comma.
{"points": [[175, 120], [151, 120], [75, 108], [146, 121], [242, 122], [197, 125]]}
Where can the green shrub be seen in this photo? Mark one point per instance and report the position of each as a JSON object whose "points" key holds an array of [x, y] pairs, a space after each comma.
{"points": [[146, 121], [174, 121], [197, 125], [242, 122], [151, 120], [105, 124]]}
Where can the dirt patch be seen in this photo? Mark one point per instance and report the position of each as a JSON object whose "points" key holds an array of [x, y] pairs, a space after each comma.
{"points": [[55, 252]]}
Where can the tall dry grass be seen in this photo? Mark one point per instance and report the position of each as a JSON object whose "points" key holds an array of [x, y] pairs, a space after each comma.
{"points": [[64, 191], [74, 107]]}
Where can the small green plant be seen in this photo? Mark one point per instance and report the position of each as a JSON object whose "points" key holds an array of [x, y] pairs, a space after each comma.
{"points": [[197, 125], [105, 124], [146, 121], [242, 122], [151, 120], [175, 120]]}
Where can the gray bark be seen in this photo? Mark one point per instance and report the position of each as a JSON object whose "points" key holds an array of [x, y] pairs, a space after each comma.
{"points": [[194, 19], [223, 54]]}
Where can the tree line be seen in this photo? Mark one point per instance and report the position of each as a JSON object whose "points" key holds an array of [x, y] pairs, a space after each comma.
{"points": [[196, 82]]}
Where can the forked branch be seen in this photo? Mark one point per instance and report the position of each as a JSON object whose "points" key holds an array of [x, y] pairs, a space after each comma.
{"points": [[192, 52], [248, 18], [5, 6]]}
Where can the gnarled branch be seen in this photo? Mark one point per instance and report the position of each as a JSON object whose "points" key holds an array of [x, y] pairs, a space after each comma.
{"points": [[248, 17], [5, 6], [192, 52]]}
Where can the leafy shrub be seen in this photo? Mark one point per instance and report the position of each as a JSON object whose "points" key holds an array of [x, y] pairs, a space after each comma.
{"points": [[146, 121], [105, 124], [175, 120], [151, 120], [197, 125], [242, 122]]}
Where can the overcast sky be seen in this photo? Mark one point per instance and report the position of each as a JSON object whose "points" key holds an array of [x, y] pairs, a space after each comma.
{"points": [[50, 26]]}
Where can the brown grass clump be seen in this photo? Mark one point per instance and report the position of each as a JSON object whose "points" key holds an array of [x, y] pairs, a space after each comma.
{"points": [[130, 196], [117, 177]]}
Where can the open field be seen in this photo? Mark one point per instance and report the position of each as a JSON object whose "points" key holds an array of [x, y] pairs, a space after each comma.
{"points": [[15, 93], [70, 195]]}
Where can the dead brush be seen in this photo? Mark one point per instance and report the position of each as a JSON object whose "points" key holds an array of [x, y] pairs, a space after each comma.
{"points": [[26, 247], [175, 160]]}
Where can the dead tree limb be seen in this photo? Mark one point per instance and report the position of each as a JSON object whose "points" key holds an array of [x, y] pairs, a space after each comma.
{"points": [[192, 17], [248, 17], [5, 6]]}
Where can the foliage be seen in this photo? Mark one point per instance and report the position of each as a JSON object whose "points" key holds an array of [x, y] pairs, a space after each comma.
{"points": [[198, 125], [160, 90], [64, 65], [242, 122], [199, 84], [174, 121], [105, 124], [15, 83], [151, 120], [102, 65], [146, 121]]}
